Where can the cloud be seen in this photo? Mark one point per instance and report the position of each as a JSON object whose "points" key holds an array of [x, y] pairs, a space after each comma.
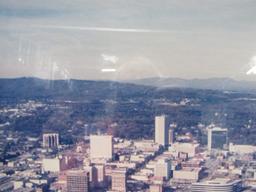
{"points": [[148, 38], [102, 29]]}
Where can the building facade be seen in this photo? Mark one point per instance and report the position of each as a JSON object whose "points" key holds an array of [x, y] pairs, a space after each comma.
{"points": [[162, 168], [50, 140], [78, 181], [119, 179], [161, 130], [101, 146], [171, 136], [220, 185], [156, 188], [217, 138]]}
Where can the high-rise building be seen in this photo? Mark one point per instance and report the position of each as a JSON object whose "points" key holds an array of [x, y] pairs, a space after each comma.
{"points": [[220, 185], [92, 175], [161, 130], [162, 168], [171, 136], [217, 138], [100, 170], [50, 140], [119, 179], [101, 146], [77, 181]]}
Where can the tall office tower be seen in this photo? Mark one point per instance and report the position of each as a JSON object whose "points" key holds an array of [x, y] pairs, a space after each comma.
{"points": [[171, 136], [97, 175], [217, 138], [50, 140], [77, 181], [119, 179], [162, 168], [161, 130], [100, 170], [101, 147], [92, 175]]}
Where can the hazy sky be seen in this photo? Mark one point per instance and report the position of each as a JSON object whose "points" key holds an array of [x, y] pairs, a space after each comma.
{"points": [[127, 39]]}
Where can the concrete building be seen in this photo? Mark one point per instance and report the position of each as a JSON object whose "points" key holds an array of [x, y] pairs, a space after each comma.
{"points": [[156, 188], [220, 185], [162, 168], [77, 181], [101, 147], [241, 149], [186, 175], [100, 171], [119, 179], [191, 149], [52, 165], [161, 130], [50, 140], [146, 145], [96, 175], [171, 136], [217, 137], [92, 175]]}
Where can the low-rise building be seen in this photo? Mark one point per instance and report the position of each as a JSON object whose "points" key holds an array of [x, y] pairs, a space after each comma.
{"points": [[191, 149], [219, 184], [241, 149], [186, 175]]}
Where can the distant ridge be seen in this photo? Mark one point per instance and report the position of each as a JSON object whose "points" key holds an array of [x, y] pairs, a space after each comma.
{"points": [[30, 87], [211, 83]]}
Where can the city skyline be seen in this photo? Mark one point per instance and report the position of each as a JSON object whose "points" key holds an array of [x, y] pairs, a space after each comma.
{"points": [[128, 40], [120, 96], [204, 139]]}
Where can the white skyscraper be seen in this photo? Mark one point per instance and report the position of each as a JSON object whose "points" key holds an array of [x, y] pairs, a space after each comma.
{"points": [[161, 130], [101, 147]]}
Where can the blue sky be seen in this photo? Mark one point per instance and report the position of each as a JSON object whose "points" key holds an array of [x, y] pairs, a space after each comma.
{"points": [[174, 38]]}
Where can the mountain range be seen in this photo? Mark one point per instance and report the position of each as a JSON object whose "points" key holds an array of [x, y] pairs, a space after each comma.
{"points": [[28, 87], [211, 83], [131, 106]]}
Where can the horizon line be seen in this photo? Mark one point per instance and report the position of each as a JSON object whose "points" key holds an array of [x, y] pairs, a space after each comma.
{"points": [[124, 80]]}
